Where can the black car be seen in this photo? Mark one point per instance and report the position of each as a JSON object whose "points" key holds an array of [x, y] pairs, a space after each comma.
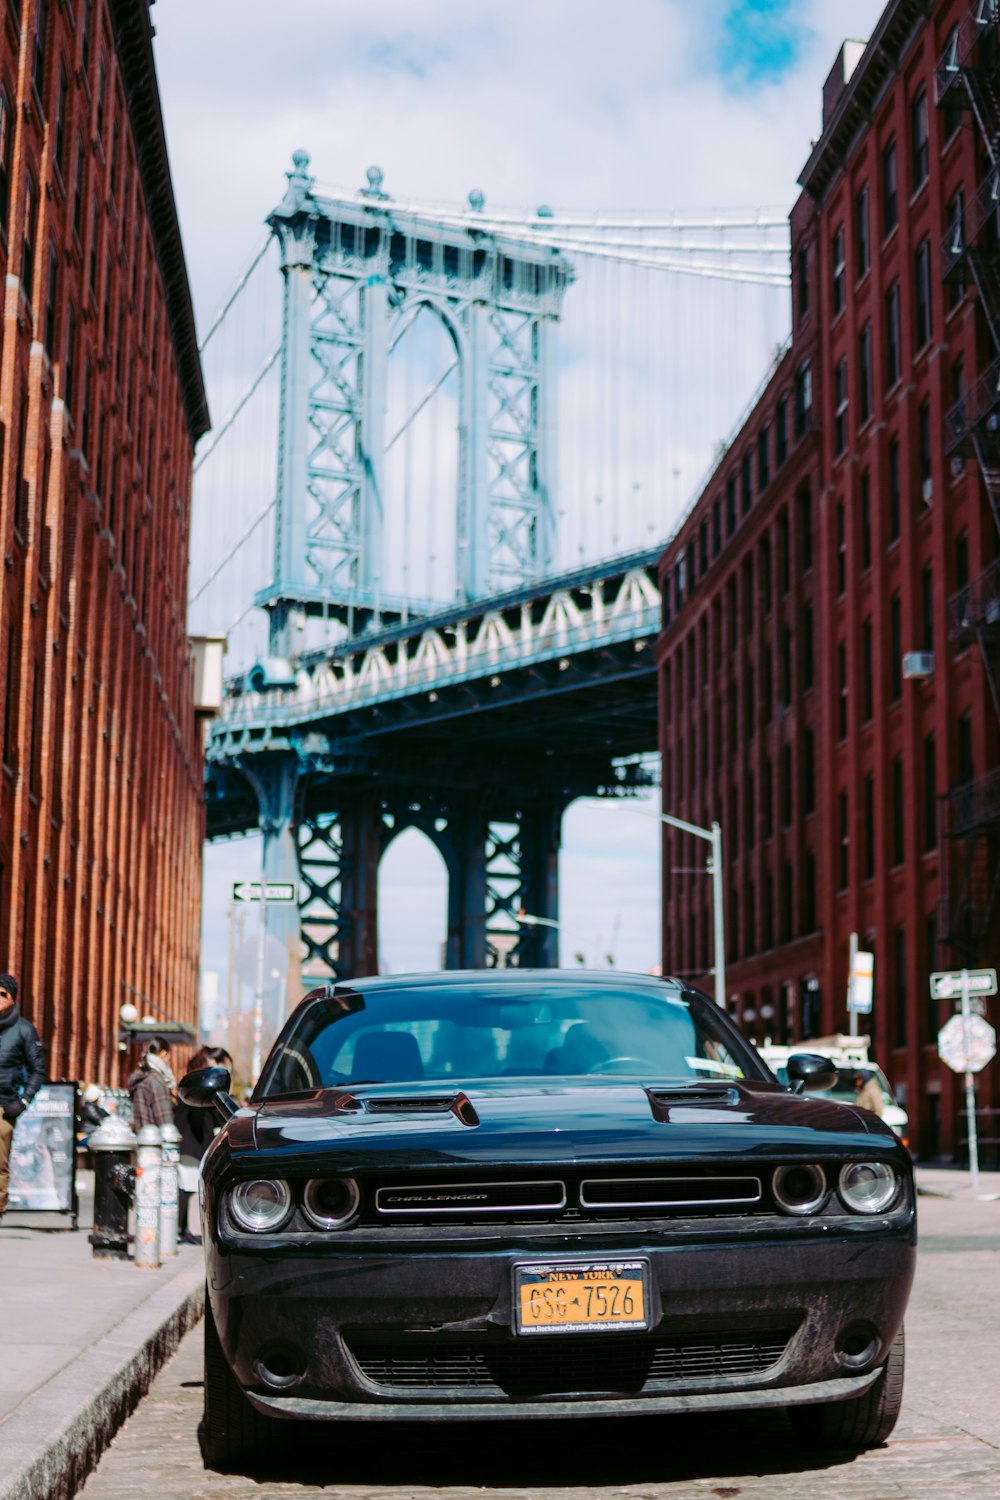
{"points": [[549, 1193]]}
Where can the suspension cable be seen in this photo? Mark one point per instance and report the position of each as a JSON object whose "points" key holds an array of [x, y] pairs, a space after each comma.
{"points": [[220, 432], [220, 315], [241, 541]]}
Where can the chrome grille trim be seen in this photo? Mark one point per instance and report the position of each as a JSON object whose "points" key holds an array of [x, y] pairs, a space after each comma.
{"points": [[590, 1191]]}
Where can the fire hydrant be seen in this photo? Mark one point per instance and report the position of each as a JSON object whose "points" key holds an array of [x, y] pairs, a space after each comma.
{"points": [[147, 1198], [168, 1189], [114, 1184]]}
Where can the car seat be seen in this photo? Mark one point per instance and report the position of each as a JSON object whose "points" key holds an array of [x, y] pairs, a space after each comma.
{"points": [[387, 1057]]}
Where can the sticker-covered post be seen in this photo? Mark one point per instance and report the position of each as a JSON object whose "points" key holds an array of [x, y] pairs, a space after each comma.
{"points": [[970, 1085]]}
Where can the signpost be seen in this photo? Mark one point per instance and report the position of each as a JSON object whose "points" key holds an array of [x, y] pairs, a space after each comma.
{"points": [[966, 1042], [860, 983], [275, 893]]}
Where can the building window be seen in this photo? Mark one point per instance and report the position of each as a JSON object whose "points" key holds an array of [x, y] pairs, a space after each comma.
{"points": [[895, 648], [749, 722], [869, 827], [50, 301], [785, 786], [734, 823], [843, 848], [964, 767], [803, 398], [890, 193], [102, 95], [956, 245], [767, 800], [922, 290], [30, 230], [927, 607], [730, 505], [764, 571], [867, 672], [60, 128], [781, 432], [750, 812], [893, 335], [746, 485], [841, 535], [893, 456], [805, 530], [85, 34], [840, 406], [41, 30], [70, 357], [862, 236], [808, 772], [919, 140], [930, 793], [6, 146], [865, 518], [865, 373], [842, 691], [809, 892], [78, 190], [703, 547], [784, 560], [837, 258], [924, 448], [802, 260], [898, 812], [785, 685], [766, 684], [962, 559], [763, 469], [716, 527], [900, 986], [785, 901]]}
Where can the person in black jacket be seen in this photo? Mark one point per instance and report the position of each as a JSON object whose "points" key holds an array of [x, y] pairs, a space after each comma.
{"points": [[197, 1127], [22, 1073]]}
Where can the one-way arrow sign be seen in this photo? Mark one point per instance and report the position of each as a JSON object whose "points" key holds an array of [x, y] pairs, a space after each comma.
{"points": [[947, 985], [277, 891]]}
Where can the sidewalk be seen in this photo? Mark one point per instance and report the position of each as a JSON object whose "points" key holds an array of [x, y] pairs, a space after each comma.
{"points": [[82, 1341], [955, 1182]]}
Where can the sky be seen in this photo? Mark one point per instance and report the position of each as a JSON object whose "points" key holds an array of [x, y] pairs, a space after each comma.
{"points": [[650, 105]]}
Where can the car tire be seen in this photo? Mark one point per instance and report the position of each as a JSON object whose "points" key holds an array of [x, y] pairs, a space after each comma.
{"points": [[862, 1421], [232, 1433]]}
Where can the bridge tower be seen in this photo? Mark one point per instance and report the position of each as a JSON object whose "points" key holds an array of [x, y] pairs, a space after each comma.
{"points": [[357, 271]]}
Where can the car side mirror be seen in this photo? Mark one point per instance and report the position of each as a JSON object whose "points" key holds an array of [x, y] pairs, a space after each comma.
{"points": [[807, 1070], [208, 1088]]}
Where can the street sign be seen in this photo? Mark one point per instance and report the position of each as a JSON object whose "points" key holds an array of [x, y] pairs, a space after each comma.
{"points": [[967, 1043], [277, 891], [947, 985], [862, 988]]}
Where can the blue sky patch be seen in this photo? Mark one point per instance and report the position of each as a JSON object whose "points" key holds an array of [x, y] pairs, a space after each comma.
{"points": [[761, 41]]}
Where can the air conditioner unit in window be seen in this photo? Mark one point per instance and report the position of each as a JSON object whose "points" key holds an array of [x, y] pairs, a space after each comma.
{"points": [[918, 664], [928, 491]]}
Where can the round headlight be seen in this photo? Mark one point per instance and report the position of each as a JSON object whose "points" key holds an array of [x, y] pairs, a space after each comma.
{"points": [[867, 1187], [331, 1202], [799, 1188], [261, 1205]]}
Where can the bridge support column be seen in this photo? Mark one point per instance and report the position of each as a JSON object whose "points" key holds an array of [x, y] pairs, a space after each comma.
{"points": [[338, 856], [361, 824], [466, 945], [541, 836], [275, 781]]}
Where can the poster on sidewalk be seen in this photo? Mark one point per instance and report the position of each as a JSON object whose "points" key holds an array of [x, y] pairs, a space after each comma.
{"points": [[43, 1155]]}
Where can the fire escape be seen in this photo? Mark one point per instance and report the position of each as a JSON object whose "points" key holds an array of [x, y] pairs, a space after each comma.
{"points": [[968, 80]]}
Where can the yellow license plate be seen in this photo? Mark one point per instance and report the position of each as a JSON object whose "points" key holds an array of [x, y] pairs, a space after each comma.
{"points": [[599, 1297]]}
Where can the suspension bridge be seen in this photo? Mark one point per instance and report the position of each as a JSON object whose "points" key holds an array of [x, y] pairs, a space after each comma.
{"points": [[451, 444]]}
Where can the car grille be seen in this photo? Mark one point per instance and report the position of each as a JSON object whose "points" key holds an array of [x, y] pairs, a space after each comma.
{"points": [[578, 1196], [572, 1365]]}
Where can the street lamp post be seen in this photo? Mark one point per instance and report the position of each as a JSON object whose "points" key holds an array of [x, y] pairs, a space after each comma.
{"points": [[712, 836]]}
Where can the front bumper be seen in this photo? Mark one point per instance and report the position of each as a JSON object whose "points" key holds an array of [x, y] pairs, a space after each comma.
{"points": [[758, 1319]]}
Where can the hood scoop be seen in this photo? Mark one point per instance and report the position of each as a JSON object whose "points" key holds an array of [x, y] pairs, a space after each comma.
{"points": [[459, 1105], [662, 1100]]}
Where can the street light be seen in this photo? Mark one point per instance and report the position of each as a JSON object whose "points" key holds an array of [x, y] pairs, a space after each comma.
{"points": [[712, 836]]}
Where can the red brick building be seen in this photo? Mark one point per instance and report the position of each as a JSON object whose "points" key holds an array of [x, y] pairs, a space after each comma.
{"points": [[101, 401], [828, 667]]}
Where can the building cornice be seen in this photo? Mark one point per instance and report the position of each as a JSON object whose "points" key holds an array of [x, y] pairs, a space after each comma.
{"points": [[133, 33], [878, 64]]}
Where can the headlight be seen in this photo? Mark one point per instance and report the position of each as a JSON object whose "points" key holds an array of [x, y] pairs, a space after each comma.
{"points": [[799, 1188], [261, 1205], [331, 1202], [867, 1187]]}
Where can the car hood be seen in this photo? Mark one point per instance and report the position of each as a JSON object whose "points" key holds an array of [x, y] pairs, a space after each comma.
{"points": [[529, 1122]]}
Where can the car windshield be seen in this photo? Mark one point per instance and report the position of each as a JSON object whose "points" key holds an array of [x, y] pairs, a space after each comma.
{"points": [[483, 1030]]}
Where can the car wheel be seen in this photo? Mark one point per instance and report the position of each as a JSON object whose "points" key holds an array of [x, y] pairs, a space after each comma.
{"points": [[232, 1433], [861, 1422]]}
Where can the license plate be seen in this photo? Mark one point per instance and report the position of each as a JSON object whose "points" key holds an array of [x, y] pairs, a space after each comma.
{"points": [[577, 1297]]}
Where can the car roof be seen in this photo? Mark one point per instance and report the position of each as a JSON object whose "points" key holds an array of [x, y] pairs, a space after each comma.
{"points": [[515, 979]]}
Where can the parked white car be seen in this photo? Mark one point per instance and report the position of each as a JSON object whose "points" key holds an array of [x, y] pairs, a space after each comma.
{"points": [[850, 1054]]}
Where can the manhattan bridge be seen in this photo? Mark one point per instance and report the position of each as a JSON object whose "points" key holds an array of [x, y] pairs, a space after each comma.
{"points": [[449, 447]]}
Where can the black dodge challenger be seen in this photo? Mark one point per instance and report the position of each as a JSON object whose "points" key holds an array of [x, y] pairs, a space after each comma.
{"points": [[554, 1193]]}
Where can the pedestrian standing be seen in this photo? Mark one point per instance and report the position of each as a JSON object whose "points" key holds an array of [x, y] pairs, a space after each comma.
{"points": [[151, 1087], [22, 1073], [867, 1094], [197, 1128]]}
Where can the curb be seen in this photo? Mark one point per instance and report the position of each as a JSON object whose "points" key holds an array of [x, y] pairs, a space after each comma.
{"points": [[56, 1438]]}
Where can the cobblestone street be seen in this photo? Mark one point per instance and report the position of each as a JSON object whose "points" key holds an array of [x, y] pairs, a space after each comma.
{"points": [[947, 1443]]}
